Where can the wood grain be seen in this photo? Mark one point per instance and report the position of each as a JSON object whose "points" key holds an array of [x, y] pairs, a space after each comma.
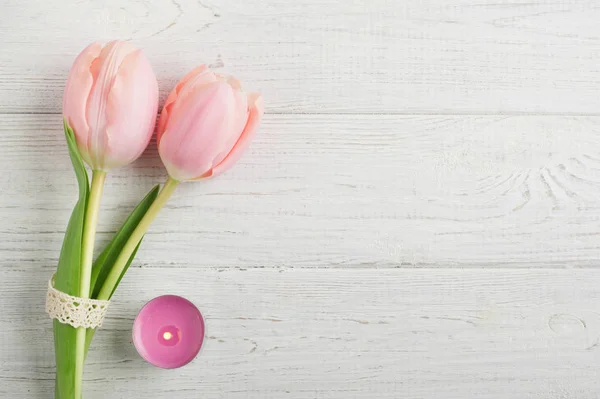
{"points": [[326, 56], [336, 192], [429, 333]]}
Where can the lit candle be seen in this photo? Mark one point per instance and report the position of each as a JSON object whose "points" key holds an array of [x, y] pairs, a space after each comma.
{"points": [[168, 332]]}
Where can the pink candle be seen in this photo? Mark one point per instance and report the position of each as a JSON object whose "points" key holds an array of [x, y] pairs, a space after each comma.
{"points": [[168, 332]]}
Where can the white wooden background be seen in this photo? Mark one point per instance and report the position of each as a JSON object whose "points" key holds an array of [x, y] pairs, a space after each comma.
{"points": [[419, 216]]}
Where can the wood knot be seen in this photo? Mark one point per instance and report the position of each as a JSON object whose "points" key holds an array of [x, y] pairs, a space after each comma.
{"points": [[566, 324]]}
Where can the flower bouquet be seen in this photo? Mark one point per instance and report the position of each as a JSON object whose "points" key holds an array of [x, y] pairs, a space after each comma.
{"points": [[109, 109]]}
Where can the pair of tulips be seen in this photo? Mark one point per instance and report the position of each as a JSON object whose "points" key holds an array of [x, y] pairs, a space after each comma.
{"points": [[111, 100], [109, 109]]}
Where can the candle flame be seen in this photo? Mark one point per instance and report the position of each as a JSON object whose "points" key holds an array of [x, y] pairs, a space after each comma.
{"points": [[167, 336]]}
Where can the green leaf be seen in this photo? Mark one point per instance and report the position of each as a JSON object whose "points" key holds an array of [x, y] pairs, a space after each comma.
{"points": [[67, 277], [69, 262], [107, 258]]}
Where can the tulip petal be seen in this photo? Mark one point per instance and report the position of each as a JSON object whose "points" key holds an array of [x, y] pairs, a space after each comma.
{"points": [[200, 75], [175, 92], [130, 110], [233, 82], [79, 84], [189, 76], [241, 118], [111, 57], [256, 108]]}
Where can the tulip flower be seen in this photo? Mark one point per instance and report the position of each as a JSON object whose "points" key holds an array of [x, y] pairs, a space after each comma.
{"points": [[110, 102], [206, 124], [109, 109]]}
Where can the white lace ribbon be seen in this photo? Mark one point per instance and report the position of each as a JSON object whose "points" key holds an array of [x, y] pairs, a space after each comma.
{"points": [[75, 311]]}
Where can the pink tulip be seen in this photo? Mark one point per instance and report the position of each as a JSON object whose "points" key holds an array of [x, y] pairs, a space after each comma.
{"points": [[206, 125], [110, 102]]}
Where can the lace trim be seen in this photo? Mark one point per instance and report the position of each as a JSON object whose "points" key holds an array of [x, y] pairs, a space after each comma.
{"points": [[75, 311]]}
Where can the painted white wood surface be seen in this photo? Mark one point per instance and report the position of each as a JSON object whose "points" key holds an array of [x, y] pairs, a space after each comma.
{"points": [[458, 137], [402, 333], [382, 56]]}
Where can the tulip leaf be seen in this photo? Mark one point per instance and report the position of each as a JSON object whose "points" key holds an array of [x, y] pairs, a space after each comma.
{"points": [[107, 258], [68, 273], [69, 264]]}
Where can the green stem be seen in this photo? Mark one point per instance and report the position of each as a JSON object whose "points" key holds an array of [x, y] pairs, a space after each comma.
{"points": [[89, 232], [79, 359], [87, 257], [136, 236]]}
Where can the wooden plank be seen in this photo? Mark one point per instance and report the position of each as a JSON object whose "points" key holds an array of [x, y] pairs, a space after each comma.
{"points": [[326, 56], [430, 333], [336, 191]]}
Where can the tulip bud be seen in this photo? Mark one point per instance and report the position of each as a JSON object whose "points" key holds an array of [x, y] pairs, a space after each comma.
{"points": [[110, 102], [206, 125]]}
